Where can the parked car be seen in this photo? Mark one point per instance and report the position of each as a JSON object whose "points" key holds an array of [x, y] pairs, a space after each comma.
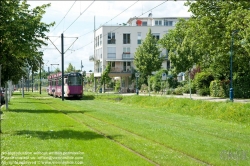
{"points": [[2, 96]]}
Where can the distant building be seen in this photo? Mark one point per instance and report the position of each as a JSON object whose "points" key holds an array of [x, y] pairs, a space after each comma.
{"points": [[117, 44]]}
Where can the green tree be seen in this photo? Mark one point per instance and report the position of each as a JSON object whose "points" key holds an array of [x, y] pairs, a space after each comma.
{"points": [[147, 56], [156, 81], [57, 70], [181, 49], [21, 35], [70, 68], [105, 75], [215, 21]]}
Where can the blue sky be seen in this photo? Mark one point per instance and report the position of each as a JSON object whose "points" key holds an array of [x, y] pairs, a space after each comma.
{"points": [[79, 22]]}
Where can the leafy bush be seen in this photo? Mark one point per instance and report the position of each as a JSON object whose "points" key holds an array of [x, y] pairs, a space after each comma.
{"points": [[204, 91], [173, 82], [178, 91], [186, 88], [217, 89], [170, 91], [202, 82], [242, 86], [117, 85], [144, 88]]}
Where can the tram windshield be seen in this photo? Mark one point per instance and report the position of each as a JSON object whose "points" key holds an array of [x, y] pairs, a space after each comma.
{"points": [[74, 80]]}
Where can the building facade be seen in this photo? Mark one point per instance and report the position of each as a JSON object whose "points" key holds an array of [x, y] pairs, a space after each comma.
{"points": [[117, 45]]}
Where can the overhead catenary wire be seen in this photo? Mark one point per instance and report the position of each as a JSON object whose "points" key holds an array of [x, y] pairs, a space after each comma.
{"points": [[78, 16], [101, 25], [121, 26], [112, 18], [74, 20], [114, 29], [64, 16]]}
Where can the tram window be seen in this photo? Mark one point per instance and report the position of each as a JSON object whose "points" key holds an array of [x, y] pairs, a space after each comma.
{"points": [[75, 80], [60, 82]]}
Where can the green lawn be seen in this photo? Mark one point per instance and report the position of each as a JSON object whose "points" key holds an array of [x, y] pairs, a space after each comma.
{"points": [[131, 130]]}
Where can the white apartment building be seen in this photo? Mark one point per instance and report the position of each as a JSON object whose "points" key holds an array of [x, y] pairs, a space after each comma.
{"points": [[117, 44]]}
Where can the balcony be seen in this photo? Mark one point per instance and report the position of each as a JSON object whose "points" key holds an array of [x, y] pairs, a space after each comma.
{"points": [[127, 56], [119, 71], [111, 41]]}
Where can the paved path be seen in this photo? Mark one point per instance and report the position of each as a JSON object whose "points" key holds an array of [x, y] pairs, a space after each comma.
{"points": [[196, 97]]}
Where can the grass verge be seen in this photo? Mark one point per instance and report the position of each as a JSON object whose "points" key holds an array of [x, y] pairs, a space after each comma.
{"points": [[126, 130]]}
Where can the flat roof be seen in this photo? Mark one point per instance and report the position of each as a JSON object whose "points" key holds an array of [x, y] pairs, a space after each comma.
{"points": [[131, 19]]}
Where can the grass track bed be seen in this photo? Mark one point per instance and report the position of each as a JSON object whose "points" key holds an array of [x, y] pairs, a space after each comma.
{"points": [[117, 132], [166, 134]]}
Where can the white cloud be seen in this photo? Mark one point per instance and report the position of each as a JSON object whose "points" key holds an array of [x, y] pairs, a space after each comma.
{"points": [[103, 11]]}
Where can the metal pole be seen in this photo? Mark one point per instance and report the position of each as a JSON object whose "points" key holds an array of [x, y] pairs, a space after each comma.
{"points": [[22, 87], [62, 68], [81, 66], [231, 70], [6, 96], [28, 80], [32, 81], [94, 84], [40, 77], [137, 85], [149, 85], [190, 84], [0, 101], [0, 90]]}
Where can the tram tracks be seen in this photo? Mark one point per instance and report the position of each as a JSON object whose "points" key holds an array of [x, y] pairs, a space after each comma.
{"points": [[92, 127]]}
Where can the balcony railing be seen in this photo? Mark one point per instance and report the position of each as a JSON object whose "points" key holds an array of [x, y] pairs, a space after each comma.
{"points": [[127, 55], [121, 70], [111, 41]]}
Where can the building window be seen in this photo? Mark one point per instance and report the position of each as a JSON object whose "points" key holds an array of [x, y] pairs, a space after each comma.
{"points": [[100, 39], [168, 23], [156, 36], [144, 23], [158, 22], [98, 54], [138, 37], [126, 38], [126, 49], [111, 52], [112, 64], [111, 38], [126, 66], [97, 40], [126, 53]]}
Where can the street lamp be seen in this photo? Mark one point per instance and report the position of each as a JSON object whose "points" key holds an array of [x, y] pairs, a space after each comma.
{"points": [[81, 66], [137, 75], [231, 90]]}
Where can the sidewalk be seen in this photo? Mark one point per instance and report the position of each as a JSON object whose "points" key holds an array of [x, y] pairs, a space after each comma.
{"points": [[195, 97], [216, 99]]}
